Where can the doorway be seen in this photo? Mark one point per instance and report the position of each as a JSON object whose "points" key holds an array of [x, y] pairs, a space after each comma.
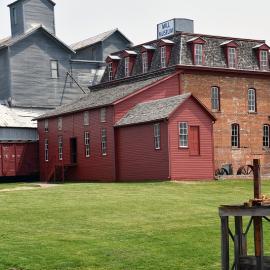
{"points": [[73, 150]]}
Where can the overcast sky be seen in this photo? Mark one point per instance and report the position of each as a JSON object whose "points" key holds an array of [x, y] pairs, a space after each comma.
{"points": [[79, 19]]}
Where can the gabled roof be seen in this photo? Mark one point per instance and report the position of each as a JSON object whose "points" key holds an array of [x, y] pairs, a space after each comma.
{"points": [[198, 39], [153, 110], [103, 97], [157, 110], [93, 40], [7, 42], [18, 117], [262, 46], [13, 3], [229, 43]]}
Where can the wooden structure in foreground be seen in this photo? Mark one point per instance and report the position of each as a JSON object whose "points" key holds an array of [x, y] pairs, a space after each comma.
{"points": [[257, 211]]}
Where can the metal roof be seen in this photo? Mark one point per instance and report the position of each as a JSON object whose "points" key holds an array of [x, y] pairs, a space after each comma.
{"points": [[102, 97], [18, 117], [7, 42], [53, 3], [153, 110], [95, 39]]}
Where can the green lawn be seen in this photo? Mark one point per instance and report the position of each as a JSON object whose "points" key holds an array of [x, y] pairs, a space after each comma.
{"points": [[116, 226]]}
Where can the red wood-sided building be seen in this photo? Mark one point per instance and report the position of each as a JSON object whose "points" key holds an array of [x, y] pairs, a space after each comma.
{"points": [[130, 130]]}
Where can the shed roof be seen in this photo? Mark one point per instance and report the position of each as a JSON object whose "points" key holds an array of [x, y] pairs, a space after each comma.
{"points": [[13, 3], [7, 42], [157, 110], [95, 39], [153, 110], [18, 117], [103, 97]]}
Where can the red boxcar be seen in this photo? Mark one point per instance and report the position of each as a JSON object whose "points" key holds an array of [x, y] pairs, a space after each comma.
{"points": [[19, 159]]}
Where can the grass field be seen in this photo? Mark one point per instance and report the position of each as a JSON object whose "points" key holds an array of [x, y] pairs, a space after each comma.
{"points": [[116, 226]]}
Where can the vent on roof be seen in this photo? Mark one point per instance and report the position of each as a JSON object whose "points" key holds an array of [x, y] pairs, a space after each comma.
{"points": [[173, 26]]}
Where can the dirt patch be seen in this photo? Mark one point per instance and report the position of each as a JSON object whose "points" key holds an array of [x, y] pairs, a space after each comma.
{"points": [[33, 186]]}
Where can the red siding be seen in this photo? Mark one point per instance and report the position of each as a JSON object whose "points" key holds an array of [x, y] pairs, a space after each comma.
{"points": [[183, 164], [96, 167], [167, 88], [137, 158], [19, 159]]}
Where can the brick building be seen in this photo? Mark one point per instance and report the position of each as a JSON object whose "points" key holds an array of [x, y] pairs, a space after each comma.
{"points": [[229, 76]]}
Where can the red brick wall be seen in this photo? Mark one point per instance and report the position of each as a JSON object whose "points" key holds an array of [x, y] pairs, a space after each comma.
{"points": [[96, 167], [182, 164], [233, 90], [168, 88], [137, 158]]}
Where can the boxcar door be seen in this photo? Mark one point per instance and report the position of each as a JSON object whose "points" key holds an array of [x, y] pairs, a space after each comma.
{"points": [[9, 160], [194, 140]]}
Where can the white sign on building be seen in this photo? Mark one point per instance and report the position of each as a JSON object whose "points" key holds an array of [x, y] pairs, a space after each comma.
{"points": [[165, 29]]}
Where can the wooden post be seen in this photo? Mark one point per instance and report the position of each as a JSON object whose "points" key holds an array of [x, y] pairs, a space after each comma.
{"points": [[257, 179], [240, 242], [225, 243], [257, 221]]}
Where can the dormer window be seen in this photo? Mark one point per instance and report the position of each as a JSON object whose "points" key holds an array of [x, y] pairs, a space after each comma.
{"points": [[165, 52], [127, 71], [231, 57], [198, 54], [197, 48], [264, 60], [129, 61], [110, 71], [230, 50], [262, 51], [144, 62], [147, 53], [163, 62], [112, 64]]}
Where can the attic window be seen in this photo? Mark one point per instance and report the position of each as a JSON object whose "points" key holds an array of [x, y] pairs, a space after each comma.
{"points": [[147, 52], [54, 69], [14, 16], [112, 65], [232, 57]]}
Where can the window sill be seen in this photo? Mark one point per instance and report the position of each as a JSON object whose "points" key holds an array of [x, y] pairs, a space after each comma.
{"points": [[252, 113], [183, 147], [216, 111], [236, 148]]}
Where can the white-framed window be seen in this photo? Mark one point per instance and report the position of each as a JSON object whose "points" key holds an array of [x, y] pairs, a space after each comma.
{"points": [[46, 147], [46, 125], [87, 143], [232, 57], [251, 100], [54, 69], [198, 54], [14, 15], [86, 118], [144, 62], [60, 147], [163, 57], [127, 71], [235, 138], [60, 123], [110, 71], [103, 115], [266, 136], [183, 135], [215, 98], [157, 136], [104, 141], [264, 60]]}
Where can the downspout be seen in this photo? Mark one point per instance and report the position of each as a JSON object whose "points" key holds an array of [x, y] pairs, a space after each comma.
{"points": [[169, 148], [2, 160]]}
